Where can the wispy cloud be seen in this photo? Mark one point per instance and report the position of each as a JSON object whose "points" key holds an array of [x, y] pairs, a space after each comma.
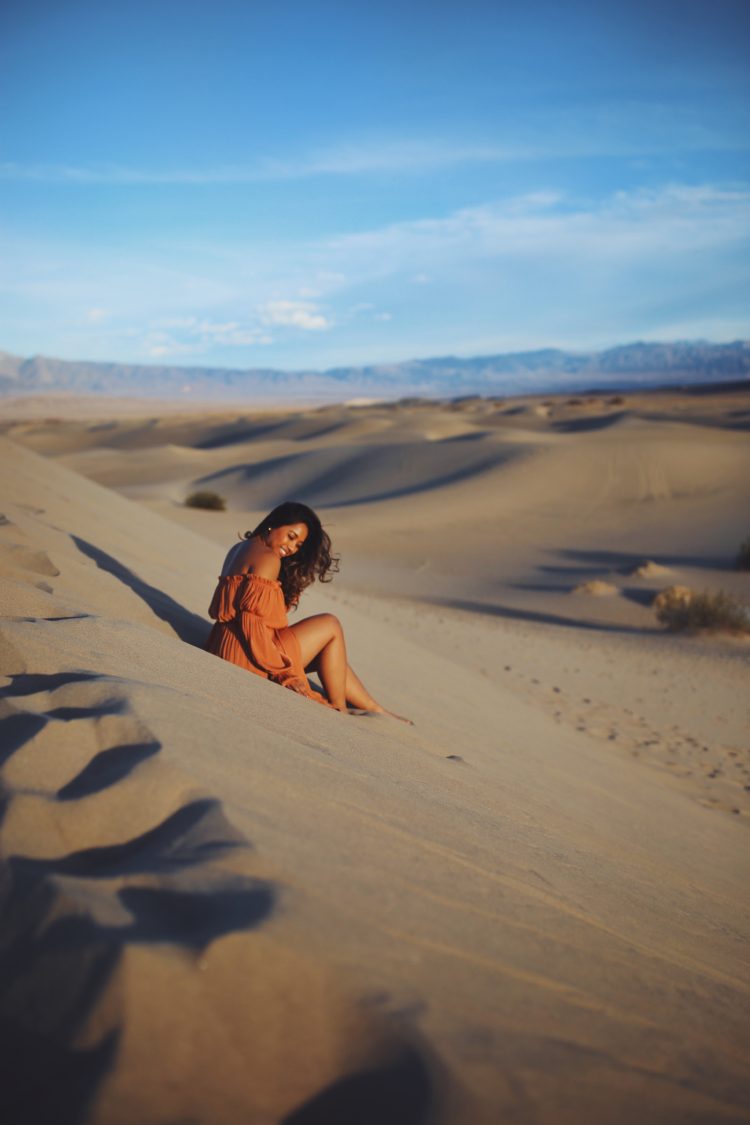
{"points": [[181, 336], [416, 155], [623, 228], [294, 314], [618, 129], [407, 156], [159, 345], [192, 336]]}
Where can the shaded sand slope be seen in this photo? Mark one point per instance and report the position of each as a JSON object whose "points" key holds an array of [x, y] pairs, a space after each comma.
{"points": [[222, 903]]}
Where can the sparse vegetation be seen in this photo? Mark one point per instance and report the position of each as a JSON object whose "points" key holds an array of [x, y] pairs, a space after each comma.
{"points": [[680, 608], [743, 555], [211, 501]]}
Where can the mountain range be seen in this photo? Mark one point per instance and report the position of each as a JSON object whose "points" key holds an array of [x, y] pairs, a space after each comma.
{"points": [[549, 370]]}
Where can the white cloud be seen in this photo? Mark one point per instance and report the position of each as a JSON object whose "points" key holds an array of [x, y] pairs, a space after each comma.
{"points": [[178, 322], [388, 156], [368, 158], [624, 228], [96, 316], [158, 351], [330, 279], [233, 335], [294, 314], [158, 345], [190, 335]]}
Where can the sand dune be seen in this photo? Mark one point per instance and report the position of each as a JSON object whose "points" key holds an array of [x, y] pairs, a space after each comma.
{"points": [[223, 904], [355, 474]]}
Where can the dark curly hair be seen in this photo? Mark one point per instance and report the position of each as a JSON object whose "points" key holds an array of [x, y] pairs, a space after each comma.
{"points": [[313, 559]]}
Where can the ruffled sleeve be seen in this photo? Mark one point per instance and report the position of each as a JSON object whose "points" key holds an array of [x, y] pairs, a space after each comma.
{"points": [[222, 603], [248, 593]]}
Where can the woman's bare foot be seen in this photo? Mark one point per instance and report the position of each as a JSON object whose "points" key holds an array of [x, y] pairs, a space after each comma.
{"points": [[378, 710], [401, 718]]}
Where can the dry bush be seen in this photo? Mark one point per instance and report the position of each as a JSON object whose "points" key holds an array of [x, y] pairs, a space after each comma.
{"points": [[743, 556], [211, 501], [671, 600], [680, 608]]}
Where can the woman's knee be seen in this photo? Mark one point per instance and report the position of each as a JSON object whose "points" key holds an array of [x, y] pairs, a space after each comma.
{"points": [[333, 624]]}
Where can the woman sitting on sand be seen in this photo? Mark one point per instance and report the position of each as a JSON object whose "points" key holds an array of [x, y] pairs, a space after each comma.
{"points": [[263, 576]]}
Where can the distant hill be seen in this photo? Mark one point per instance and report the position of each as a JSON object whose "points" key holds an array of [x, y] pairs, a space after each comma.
{"points": [[545, 371]]}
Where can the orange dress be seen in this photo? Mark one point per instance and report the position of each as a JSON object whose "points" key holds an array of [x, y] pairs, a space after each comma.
{"points": [[251, 630]]}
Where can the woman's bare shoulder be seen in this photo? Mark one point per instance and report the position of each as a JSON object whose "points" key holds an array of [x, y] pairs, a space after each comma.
{"points": [[261, 560], [252, 556]]}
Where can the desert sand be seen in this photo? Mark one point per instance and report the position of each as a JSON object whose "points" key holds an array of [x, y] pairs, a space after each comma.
{"points": [[224, 904]]}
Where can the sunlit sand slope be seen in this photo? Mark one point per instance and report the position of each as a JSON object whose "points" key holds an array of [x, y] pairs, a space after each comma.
{"points": [[222, 903]]}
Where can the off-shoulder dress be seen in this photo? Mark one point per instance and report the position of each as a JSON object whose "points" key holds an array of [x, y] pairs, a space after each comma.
{"points": [[251, 630]]}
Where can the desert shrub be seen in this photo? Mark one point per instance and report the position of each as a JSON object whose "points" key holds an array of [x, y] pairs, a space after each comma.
{"points": [[678, 608], [671, 600], [208, 500], [743, 555]]}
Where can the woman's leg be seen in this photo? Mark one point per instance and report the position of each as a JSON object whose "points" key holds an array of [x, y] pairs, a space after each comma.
{"points": [[321, 640], [357, 694]]}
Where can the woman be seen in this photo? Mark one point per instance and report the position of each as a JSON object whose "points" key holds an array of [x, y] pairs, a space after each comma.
{"points": [[263, 576]]}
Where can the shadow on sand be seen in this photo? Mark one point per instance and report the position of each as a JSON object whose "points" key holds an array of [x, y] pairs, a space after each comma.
{"points": [[624, 563], [69, 919], [588, 425], [188, 626], [638, 594], [237, 435], [323, 485], [534, 616], [57, 968], [400, 1092]]}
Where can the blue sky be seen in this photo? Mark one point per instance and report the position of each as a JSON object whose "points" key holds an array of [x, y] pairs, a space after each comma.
{"points": [[317, 184]]}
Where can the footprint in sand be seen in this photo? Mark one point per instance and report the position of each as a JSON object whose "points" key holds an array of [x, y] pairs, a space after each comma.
{"points": [[698, 766], [17, 555]]}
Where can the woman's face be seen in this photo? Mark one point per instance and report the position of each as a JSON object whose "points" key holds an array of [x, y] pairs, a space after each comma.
{"points": [[287, 540]]}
